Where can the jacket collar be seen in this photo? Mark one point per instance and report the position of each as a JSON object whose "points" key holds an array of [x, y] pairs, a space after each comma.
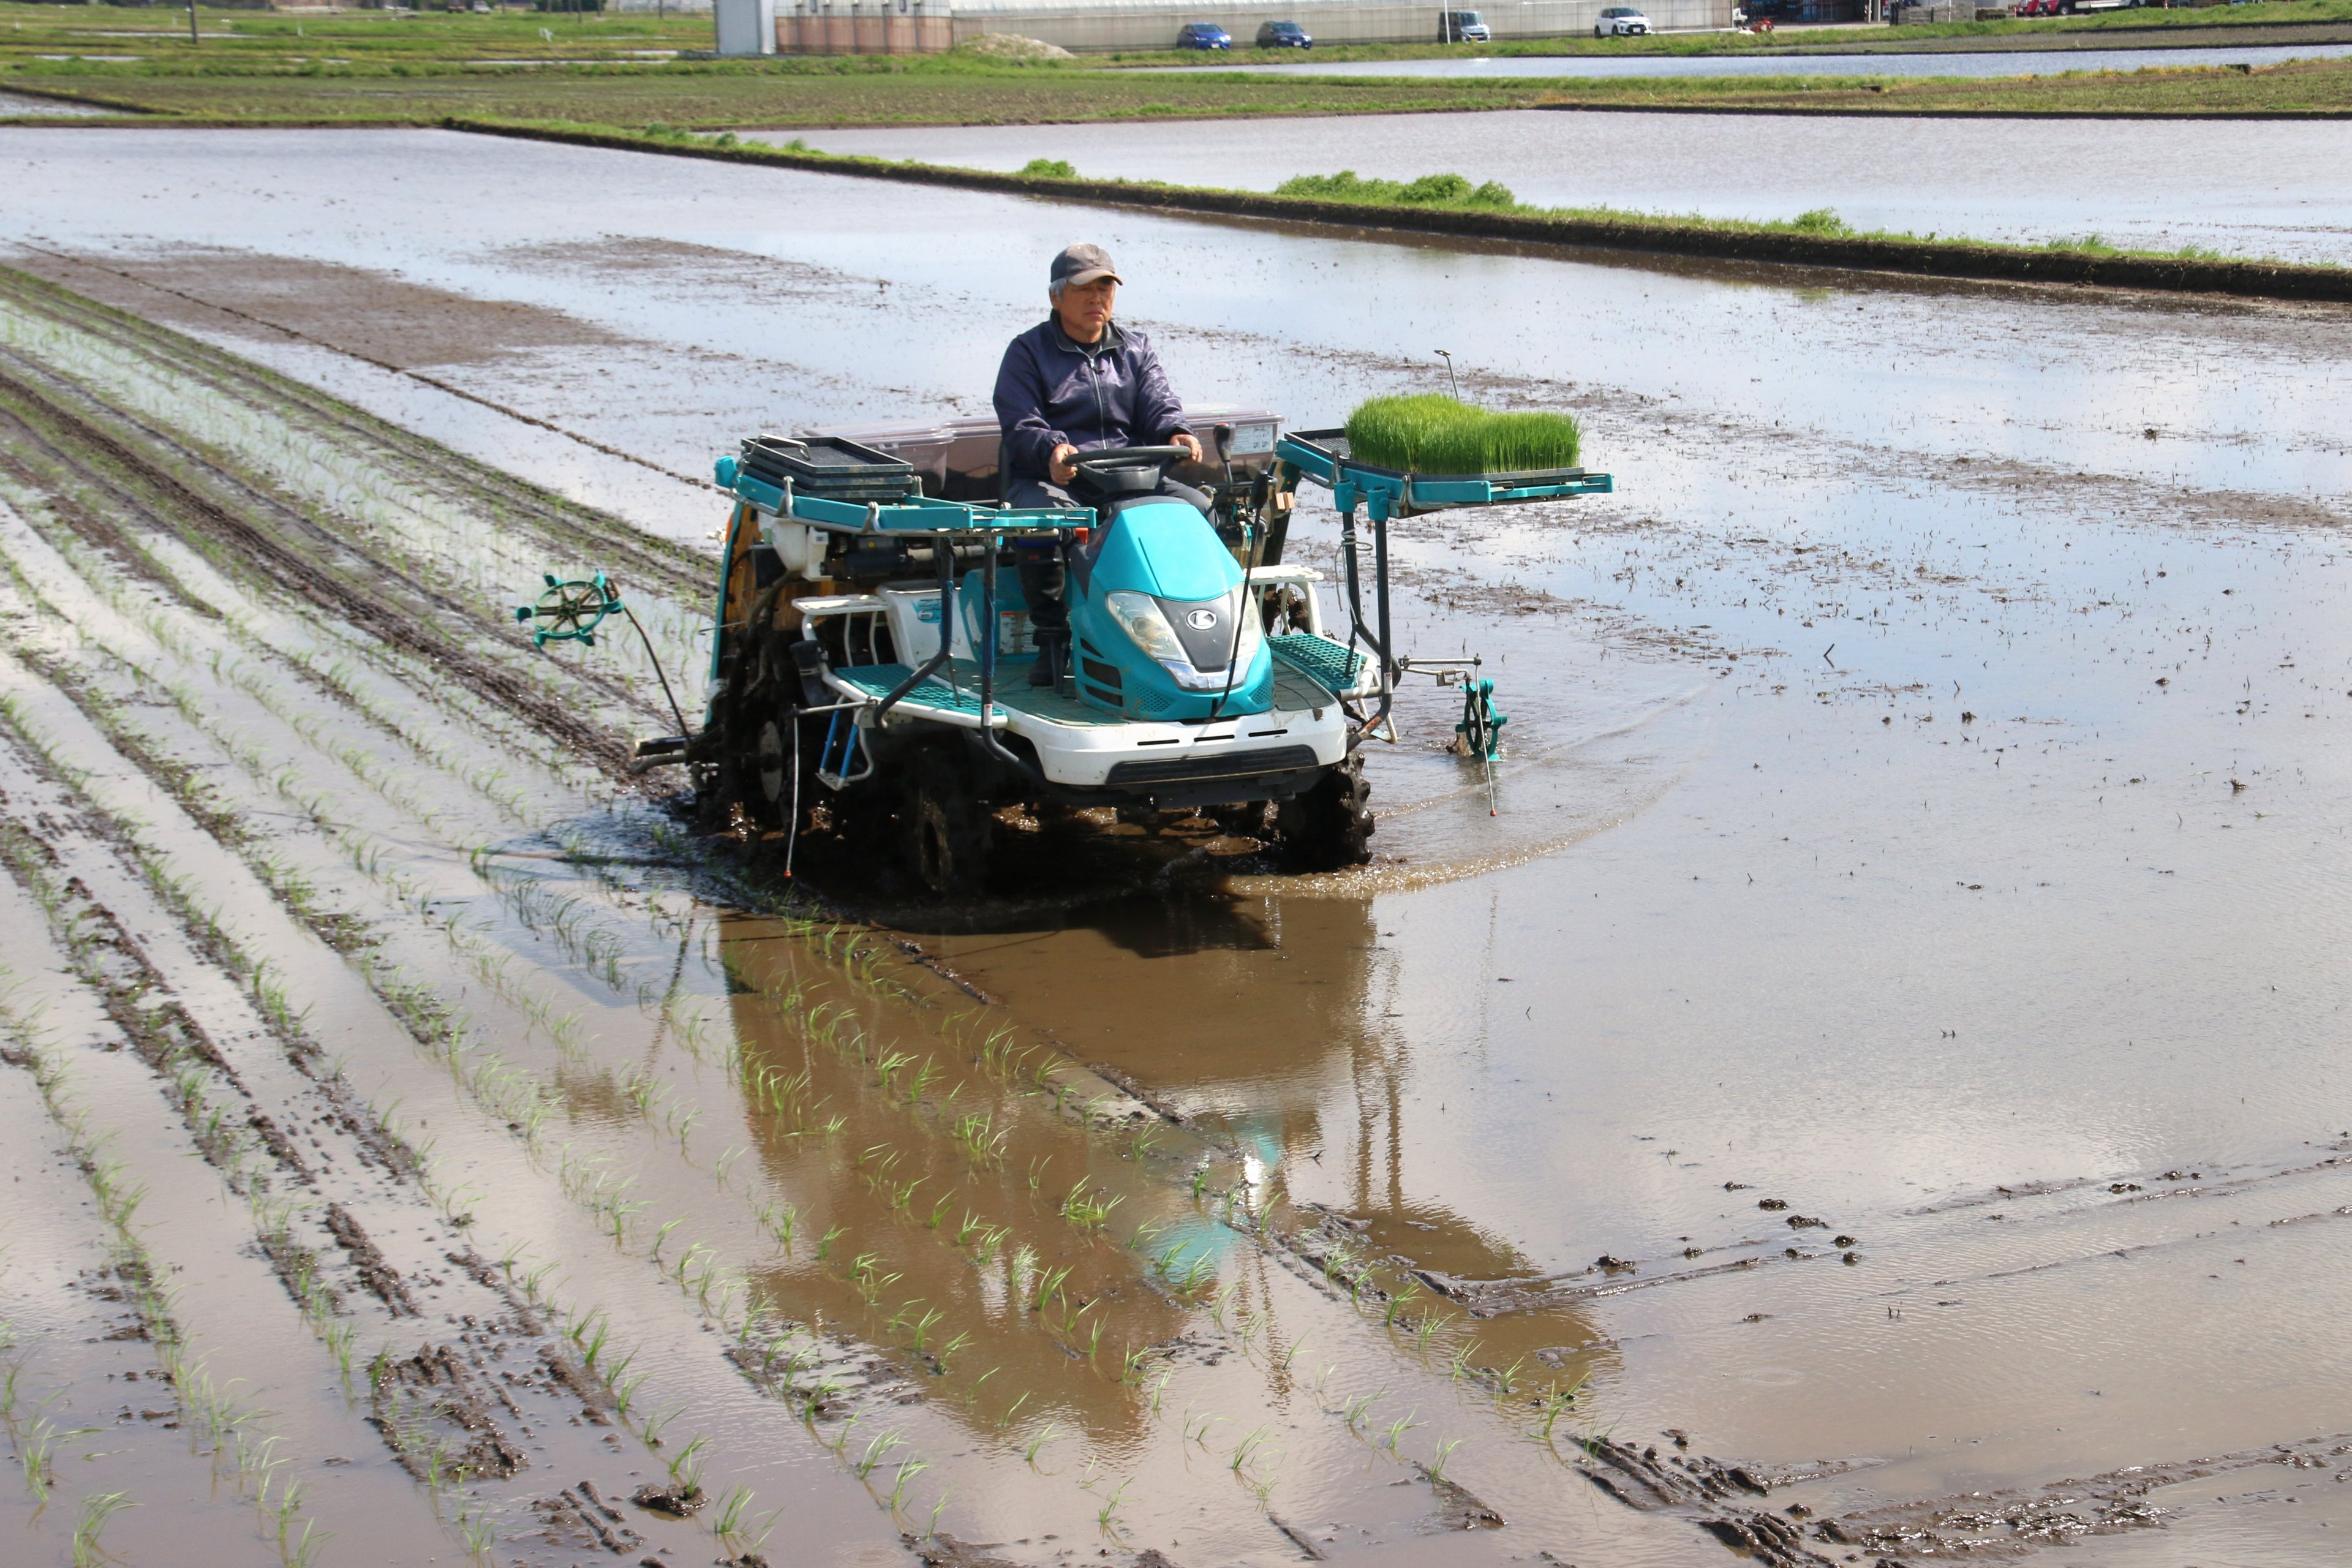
{"points": [[1112, 338]]}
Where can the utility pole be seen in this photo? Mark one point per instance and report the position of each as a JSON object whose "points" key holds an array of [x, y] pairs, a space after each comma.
{"points": [[193, 39]]}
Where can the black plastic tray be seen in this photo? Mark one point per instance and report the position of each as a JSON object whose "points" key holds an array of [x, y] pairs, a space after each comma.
{"points": [[829, 467]]}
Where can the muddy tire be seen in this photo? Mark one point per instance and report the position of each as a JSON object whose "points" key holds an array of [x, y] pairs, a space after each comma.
{"points": [[944, 829], [1247, 820], [1329, 827], [753, 778]]}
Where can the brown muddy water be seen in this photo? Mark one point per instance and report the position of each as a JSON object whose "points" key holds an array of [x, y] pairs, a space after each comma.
{"points": [[1838, 1108]]}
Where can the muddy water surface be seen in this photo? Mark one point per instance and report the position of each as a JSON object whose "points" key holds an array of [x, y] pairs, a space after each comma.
{"points": [[1885, 1037]]}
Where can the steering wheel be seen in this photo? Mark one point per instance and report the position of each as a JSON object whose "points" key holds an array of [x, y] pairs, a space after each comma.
{"points": [[1128, 457]]}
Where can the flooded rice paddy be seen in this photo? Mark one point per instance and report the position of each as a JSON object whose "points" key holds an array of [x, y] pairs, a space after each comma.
{"points": [[2240, 187], [1874, 1090]]}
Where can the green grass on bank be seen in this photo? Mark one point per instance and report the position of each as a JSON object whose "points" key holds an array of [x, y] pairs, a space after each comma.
{"points": [[715, 95], [237, 41]]}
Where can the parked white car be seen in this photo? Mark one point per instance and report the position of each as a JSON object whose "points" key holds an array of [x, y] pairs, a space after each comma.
{"points": [[1620, 22]]}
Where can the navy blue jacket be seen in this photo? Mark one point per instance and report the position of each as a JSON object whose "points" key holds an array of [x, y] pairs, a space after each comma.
{"points": [[1051, 389]]}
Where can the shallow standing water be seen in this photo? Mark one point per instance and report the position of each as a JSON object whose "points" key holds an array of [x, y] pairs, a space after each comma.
{"points": [[1926, 807], [2244, 188]]}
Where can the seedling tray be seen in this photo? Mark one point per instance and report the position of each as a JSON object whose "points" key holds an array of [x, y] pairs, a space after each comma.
{"points": [[1323, 457], [829, 467]]}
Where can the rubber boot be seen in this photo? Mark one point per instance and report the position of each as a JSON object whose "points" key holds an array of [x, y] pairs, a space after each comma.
{"points": [[1047, 669]]}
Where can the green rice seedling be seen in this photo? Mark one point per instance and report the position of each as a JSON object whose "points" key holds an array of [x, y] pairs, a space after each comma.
{"points": [[1006, 1420], [922, 1081], [1444, 1452], [824, 1242], [950, 1348], [1399, 1427], [1508, 1379], [940, 1210], [95, 1509], [1399, 1299], [931, 1530], [1198, 1274], [1109, 1509], [968, 1228], [1036, 1441], [908, 1471], [1250, 1444], [1429, 1324], [1432, 433], [1555, 1402], [876, 1452], [1357, 1407], [686, 1469]]}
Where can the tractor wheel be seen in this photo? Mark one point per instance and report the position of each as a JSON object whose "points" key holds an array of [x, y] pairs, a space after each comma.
{"points": [[754, 777], [946, 827], [1326, 828]]}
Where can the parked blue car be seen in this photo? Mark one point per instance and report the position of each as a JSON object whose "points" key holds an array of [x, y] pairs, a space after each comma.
{"points": [[1204, 36], [1284, 35]]}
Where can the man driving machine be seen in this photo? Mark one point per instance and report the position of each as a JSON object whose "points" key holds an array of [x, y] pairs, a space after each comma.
{"points": [[1074, 383]]}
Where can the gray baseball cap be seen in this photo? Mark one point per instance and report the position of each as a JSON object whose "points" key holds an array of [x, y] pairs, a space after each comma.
{"points": [[1084, 264]]}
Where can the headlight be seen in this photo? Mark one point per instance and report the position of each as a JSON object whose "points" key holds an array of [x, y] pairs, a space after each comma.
{"points": [[1197, 656], [1138, 616]]}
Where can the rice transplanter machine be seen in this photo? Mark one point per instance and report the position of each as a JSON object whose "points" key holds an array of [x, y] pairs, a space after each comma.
{"points": [[871, 662]]}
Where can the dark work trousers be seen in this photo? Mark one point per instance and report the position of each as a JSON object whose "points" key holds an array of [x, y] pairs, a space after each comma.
{"points": [[1043, 580]]}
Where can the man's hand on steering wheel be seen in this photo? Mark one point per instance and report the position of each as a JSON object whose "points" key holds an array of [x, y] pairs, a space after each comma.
{"points": [[1062, 471]]}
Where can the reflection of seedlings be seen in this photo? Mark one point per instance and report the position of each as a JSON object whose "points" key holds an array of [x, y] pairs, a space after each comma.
{"points": [[1198, 1432], [1223, 1299]]}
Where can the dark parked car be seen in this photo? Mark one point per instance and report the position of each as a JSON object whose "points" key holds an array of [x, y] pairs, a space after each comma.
{"points": [[1284, 35], [1202, 36]]}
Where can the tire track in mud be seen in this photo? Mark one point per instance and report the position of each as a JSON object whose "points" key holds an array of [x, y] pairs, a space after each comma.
{"points": [[168, 498]]}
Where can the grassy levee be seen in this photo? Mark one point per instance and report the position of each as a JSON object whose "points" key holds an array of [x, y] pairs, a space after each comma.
{"points": [[1813, 239], [396, 68], [720, 96]]}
